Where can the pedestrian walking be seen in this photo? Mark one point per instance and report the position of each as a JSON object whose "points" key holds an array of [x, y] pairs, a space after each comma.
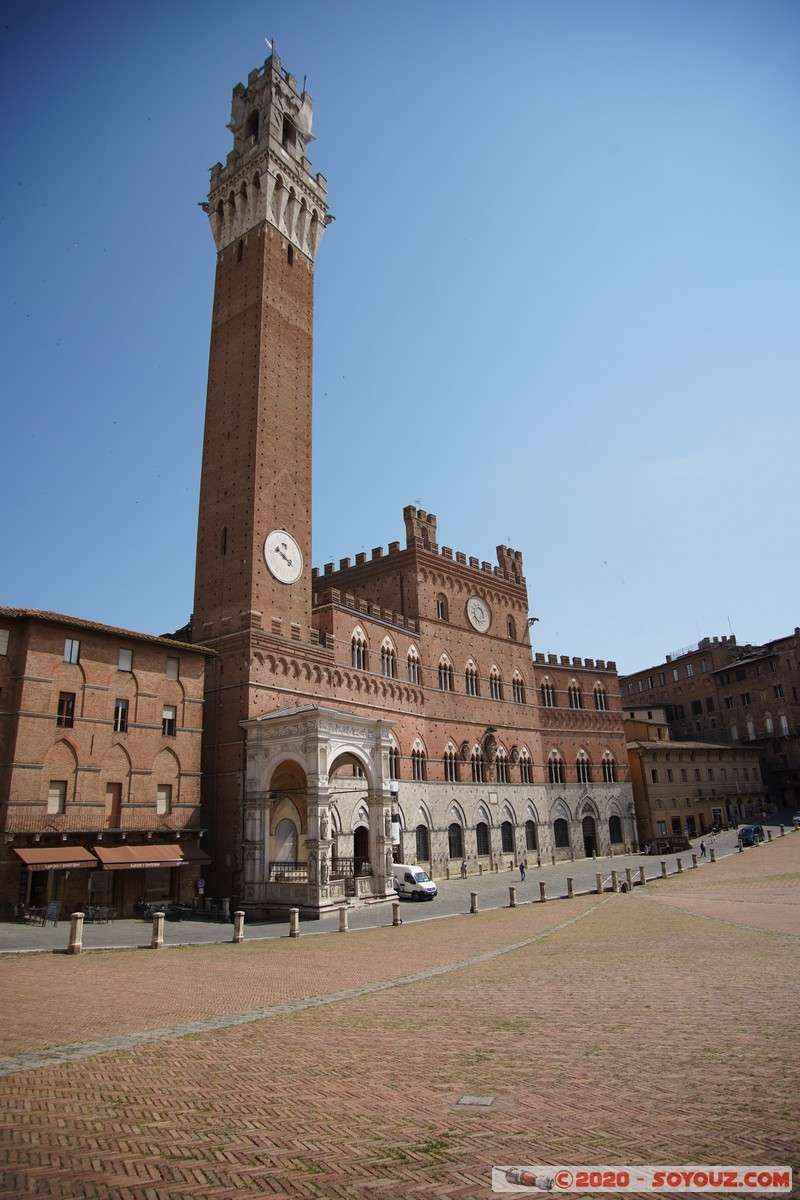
{"points": [[702, 849], [523, 866]]}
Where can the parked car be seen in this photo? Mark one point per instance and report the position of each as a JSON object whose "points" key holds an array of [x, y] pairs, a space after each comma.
{"points": [[748, 833], [796, 820]]}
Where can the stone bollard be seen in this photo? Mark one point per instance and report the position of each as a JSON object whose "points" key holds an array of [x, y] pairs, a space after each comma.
{"points": [[614, 882], [594, 854], [783, 831], [396, 918], [226, 909], [342, 918], [480, 868], [739, 844], [542, 891], [756, 842], [75, 944], [473, 902], [598, 884], [447, 873], [769, 835], [238, 926], [512, 897], [679, 866], [663, 870], [157, 940], [552, 860], [694, 860], [712, 855], [629, 879], [642, 876], [294, 922], [570, 888], [497, 868]]}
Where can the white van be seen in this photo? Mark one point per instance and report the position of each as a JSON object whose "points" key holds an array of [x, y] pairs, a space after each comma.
{"points": [[413, 882]]}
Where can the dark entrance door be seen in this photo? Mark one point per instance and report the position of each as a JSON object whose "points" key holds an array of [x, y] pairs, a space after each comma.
{"points": [[360, 849], [589, 837]]}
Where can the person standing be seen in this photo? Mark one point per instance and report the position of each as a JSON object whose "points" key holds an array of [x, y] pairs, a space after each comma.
{"points": [[523, 866]]}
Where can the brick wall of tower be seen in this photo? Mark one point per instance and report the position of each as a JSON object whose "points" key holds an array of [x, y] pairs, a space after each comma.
{"points": [[257, 450]]}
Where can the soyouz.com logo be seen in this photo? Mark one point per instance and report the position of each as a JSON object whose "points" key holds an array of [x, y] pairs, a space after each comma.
{"points": [[642, 1179]]}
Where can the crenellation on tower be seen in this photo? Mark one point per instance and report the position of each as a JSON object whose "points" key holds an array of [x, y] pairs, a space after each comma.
{"points": [[267, 175]]}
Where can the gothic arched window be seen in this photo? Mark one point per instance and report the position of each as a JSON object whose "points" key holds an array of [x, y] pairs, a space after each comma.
{"points": [[471, 679], [445, 675], [583, 768], [555, 767], [358, 651]]}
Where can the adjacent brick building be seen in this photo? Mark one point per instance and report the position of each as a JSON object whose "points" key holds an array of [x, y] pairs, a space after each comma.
{"points": [[100, 737], [388, 706], [684, 789], [720, 691]]}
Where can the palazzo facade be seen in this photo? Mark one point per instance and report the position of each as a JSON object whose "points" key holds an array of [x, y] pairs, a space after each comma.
{"points": [[385, 707]]}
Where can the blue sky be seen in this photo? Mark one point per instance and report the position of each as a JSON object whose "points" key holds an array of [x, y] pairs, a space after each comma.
{"points": [[559, 305]]}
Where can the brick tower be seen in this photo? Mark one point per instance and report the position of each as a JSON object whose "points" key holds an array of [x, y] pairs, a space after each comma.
{"points": [[253, 576]]}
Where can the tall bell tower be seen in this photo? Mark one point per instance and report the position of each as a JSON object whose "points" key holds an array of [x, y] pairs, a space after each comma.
{"points": [[267, 214], [253, 574]]}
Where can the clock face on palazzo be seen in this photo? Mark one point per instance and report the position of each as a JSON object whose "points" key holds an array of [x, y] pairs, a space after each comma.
{"points": [[479, 613], [283, 556]]}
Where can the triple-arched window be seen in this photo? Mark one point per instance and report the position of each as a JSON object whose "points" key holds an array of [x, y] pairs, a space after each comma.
{"points": [[583, 768], [418, 764], [575, 696], [555, 767], [445, 675], [358, 651], [501, 765], [476, 761], [450, 763], [471, 686], [388, 660], [609, 768], [413, 666], [518, 688], [548, 693], [525, 768], [495, 684], [600, 697]]}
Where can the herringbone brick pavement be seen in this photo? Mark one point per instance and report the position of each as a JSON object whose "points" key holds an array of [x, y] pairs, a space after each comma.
{"points": [[641, 1033]]}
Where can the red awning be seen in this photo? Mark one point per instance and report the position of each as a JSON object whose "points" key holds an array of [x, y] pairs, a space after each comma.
{"points": [[134, 858], [57, 858]]}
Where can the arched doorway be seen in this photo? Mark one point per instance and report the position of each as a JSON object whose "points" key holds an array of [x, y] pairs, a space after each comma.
{"points": [[589, 836], [360, 849]]}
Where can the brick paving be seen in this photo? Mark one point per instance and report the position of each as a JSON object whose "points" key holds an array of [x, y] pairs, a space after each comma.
{"points": [[653, 1029]]}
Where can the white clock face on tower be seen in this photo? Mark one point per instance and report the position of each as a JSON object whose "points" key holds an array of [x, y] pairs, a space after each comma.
{"points": [[283, 556], [479, 613]]}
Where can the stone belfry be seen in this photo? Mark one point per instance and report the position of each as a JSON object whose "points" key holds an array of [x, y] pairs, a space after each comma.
{"points": [[253, 574], [267, 214]]}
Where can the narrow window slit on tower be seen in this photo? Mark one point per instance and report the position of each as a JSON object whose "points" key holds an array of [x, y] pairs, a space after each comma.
{"points": [[239, 250], [288, 132], [290, 254]]}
